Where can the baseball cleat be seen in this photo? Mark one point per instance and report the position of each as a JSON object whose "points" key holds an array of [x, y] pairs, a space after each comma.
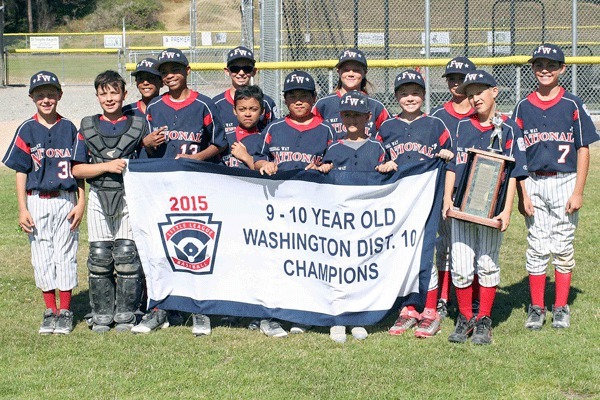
{"points": [[462, 330], [338, 333], [482, 334], [429, 324], [201, 325], [536, 316], [561, 317], [406, 320], [48, 323], [64, 323]]}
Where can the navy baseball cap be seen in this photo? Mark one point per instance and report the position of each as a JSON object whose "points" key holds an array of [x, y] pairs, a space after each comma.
{"points": [[146, 65], [352, 55], [548, 51], [478, 76], [43, 78], [409, 76], [172, 55], [299, 80], [459, 65], [354, 101], [240, 53]]}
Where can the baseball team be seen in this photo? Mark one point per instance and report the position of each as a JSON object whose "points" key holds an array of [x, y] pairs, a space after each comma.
{"points": [[547, 136]]}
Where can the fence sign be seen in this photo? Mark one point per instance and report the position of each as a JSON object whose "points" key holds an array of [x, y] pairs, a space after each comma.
{"points": [[499, 41], [44, 43], [113, 41], [177, 41], [437, 39]]}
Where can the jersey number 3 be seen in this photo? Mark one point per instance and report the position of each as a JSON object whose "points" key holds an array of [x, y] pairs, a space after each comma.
{"points": [[65, 170]]}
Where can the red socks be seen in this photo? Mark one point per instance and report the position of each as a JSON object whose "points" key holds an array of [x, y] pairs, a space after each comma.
{"points": [[50, 300], [65, 299], [486, 301], [444, 284], [537, 289], [563, 285], [464, 298], [431, 301]]}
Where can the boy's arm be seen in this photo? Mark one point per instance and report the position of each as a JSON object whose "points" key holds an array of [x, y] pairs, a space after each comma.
{"points": [[448, 189], [575, 202], [25, 219], [76, 214], [239, 151], [525, 205], [265, 167], [504, 216], [86, 171], [205, 154]]}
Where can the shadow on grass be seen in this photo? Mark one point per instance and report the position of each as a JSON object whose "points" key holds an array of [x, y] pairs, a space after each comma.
{"points": [[80, 305]]}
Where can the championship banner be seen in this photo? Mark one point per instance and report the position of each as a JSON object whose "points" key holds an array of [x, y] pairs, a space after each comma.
{"points": [[335, 249]]}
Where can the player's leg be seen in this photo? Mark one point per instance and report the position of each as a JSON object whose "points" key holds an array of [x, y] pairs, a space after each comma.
{"points": [[100, 266], [429, 323], [464, 240], [443, 260], [538, 251], [561, 246]]}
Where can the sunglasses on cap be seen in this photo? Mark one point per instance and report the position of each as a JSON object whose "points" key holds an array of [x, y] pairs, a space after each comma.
{"points": [[236, 68]]}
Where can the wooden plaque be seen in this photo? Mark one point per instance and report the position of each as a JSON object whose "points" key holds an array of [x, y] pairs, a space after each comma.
{"points": [[482, 189]]}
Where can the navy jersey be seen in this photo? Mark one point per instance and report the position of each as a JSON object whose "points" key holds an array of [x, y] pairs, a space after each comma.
{"points": [[554, 130], [224, 103], [44, 154], [192, 124], [471, 134], [134, 109], [328, 108], [346, 155], [408, 142], [251, 139], [108, 128], [294, 146], [449, 116]]}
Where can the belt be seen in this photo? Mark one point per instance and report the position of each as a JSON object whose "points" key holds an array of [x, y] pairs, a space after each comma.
{"points": [[45, 195], [545, 173]]}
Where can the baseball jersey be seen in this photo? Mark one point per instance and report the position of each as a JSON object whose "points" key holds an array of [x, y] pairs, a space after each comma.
{"points": [[294, 146], [328, 108], [553, 131], [409, 142], [449, 116], [134, 109], [44, 154], [347, 155], [192, 124], [471, 134], [251, 139], [224, 104]]}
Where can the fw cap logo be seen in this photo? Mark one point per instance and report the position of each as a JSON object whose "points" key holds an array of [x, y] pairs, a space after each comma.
{"points": [[544, 50], [190, 242], [472, 77], [43, 78], [350, 54], [241, 52], [458, 64], [169, 54], [409, 75], [352, 100], [145, 63], [298, 78]]}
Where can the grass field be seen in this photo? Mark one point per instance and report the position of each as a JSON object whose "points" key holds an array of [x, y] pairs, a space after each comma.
{"points": [[236, 363]]}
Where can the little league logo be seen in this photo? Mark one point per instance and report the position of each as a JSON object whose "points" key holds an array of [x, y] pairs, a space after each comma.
{"points": [[190, 242]]}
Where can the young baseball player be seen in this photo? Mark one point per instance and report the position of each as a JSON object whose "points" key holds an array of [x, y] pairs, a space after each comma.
{"points": [[104, 142], [455, 109], [148, 82], [241, 70], [352, 71], [51, 202], [297, 141], [192, 129], [475, 248], [357, 152], [557, 130], [409, 138]]}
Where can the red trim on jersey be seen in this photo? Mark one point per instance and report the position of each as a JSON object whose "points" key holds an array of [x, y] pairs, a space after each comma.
{"points": [[241, 133], [519, 122], [475, 121], [268, 138], [575, 115], [139, 106], [508, 144], [316, 112], [450, 110], [58, 117], [384, 115], [178, 105], [316, 121], [444, 137], [20, 143], [545, 104], [207, 120], [120, 119], [80, 136], [228, 97]]}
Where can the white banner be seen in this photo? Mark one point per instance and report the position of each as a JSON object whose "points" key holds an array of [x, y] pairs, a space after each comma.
{"points": [[301, 247]]}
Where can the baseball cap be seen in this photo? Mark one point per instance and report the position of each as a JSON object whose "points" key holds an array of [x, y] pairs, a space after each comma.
{"points": [[43, 78], [352, 55], [548, 51], [146, 65], [354, 101], [299, 80], [478, 76], [409, 76], [459, 65], [240, 53], [172, 55]]}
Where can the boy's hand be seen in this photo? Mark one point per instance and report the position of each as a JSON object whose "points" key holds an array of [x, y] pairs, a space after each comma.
{"points": [[504, 217], [239, 151], [75, 216], [26, 221], [387, 167], [324, 168], [447, 205], [445, 155], [526, 206], [156, 138], [574, 203], [115, 166], [270, 168]]}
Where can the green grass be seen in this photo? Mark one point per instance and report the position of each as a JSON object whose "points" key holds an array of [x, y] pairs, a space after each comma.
{"points": [[236, 363]]}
